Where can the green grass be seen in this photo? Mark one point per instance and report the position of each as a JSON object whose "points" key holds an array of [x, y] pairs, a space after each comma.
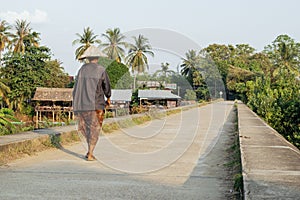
{"points": [[234, 162]]}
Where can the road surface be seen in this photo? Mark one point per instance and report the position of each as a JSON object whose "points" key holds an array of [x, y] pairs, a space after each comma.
{"points": [[180, 156]]}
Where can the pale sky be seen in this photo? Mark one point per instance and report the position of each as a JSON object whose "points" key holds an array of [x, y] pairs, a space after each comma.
{"points": [[191, 23]]}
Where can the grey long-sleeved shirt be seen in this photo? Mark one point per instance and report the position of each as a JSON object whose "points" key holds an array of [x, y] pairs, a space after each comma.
{"points": [[92, 83]]}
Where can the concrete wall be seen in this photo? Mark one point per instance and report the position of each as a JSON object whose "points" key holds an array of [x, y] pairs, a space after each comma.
{"points": [[271, 165]]}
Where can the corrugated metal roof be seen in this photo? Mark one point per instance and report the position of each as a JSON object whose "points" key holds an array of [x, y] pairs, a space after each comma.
{"points": [[121, 95], [157, 94]]}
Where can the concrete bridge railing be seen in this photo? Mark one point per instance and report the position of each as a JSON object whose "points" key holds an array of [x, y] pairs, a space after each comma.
{"points": [[271, 165]]}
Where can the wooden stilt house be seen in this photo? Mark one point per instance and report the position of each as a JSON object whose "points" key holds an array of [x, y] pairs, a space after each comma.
{"points": [[53, 103]]}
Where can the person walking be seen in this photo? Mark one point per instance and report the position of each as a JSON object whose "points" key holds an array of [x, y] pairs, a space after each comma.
{"points": [[91, 85]]}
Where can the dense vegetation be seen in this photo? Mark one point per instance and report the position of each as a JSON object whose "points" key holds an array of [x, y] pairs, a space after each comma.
{"points": [[267, 81], [25, 65]]}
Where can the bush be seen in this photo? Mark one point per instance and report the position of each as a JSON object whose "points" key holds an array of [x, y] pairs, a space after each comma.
{"points": [[6, 121]]}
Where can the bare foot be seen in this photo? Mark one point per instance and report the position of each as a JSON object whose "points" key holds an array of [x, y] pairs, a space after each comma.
{"points": [[90, 157]]}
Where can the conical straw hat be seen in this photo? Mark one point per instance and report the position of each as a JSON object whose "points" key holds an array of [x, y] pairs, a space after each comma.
{"points": [[92, 51]]}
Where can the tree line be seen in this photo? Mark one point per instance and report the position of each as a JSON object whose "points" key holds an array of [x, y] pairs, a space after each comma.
{"points": [[114, 47], [267, 81]]}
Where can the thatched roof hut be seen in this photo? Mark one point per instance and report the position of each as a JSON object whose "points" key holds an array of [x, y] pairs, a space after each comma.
{"points": [[53, 94], [65, 94], [52, 102]]}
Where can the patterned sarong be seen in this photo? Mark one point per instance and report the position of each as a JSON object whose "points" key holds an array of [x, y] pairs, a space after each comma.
{"points": [[90, 124]]}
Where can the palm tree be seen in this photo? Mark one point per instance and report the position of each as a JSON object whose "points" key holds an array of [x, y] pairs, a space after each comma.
{"points": [[23, 32], [285, 54], [164, 70], [34, 38], [289, 56], [85, 40], [4, 35], [4, 90], [190, 65], [136, 58], [113, 48]]}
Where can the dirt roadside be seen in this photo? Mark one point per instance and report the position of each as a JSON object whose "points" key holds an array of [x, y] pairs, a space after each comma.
{"points": [[222, 165]]}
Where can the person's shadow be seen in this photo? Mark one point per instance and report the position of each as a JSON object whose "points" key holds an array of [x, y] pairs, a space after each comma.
{"points": [[55, 138], [71, 152]]}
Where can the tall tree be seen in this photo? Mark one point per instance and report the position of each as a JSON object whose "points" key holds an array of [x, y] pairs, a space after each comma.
{"points": [[136, 58], [4, 36], [240, 56], [33, 39], [237, 65], [284, 53], [221, 55], [55, 76], [189, 65], [25, 72], [85, 40], [114, 47], [164, 70], [22, 33], [4, 91]]}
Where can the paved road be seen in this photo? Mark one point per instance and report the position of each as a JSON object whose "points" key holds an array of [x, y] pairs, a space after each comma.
{"points": [[175, 157]]}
